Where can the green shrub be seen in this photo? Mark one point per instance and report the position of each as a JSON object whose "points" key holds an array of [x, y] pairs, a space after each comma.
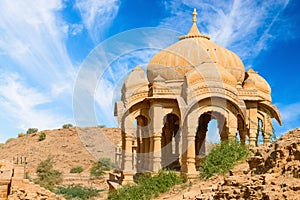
{"points": [[76, 170], [47, 176], [27, 176], [106, 162], [101, 126], [31, 130], [78, 192], [42, 136], [98, 169], [20, 135], [223, 157], [1, 145], [147, 187], [67, 126]]}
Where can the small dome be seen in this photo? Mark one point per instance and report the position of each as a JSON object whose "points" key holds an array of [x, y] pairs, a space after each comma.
{"points": [[255, 81], [136, 78], [193, 50], [135, 87]]}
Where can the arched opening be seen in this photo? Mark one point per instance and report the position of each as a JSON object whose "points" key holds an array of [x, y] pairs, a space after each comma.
{"points": [[209, 123], [260, 132], [170, 142]]}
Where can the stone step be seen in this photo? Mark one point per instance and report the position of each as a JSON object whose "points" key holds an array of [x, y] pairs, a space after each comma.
{"points": [[113, 185]]}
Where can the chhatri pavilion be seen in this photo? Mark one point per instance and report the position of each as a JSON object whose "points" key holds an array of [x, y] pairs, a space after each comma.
{"points": [[164, 113]]}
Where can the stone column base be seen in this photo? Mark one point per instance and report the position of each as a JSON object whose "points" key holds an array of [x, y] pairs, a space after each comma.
{"points": [[190, 176], [127, 178]]}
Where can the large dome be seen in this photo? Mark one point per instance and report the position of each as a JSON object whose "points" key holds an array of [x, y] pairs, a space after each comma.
{"points": [[193, 50]]}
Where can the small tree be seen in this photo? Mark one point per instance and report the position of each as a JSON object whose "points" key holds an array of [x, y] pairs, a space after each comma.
{"points": [[20, 135], [47, 176], [76, 170], [223, 157], [67, 126], [98, 169], [31, 130], [42, 136], [78, 192]]}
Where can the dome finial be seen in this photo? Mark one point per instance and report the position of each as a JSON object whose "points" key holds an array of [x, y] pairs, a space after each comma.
{"points": [[194, 31], [195, 16]]}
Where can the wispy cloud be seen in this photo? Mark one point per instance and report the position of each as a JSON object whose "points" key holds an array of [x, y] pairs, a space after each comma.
{"points": [[33, 37], [97, 15], [109, 86], [24, 104], [244, 26], [36, 70], [290, 115]]}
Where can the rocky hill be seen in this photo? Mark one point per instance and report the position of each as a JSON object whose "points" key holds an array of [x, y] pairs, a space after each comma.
{"points": [[270, 173], [67, 147]]}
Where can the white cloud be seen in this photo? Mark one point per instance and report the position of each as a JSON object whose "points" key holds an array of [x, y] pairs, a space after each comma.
{"points": [[97, 15], [37, 73], [243, 26], [290, 113], [33, 35], [110, 84], [76, 29], [21, 103]]}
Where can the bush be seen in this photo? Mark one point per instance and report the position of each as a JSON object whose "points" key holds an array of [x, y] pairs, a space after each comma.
{"points": [[27, 176], [1, 145], [147, 187], [106, 162], [42, 136], [77, 192], [31, 130], [223, 157], [76, 170], [98, 169], [9, 140], [47, 176], [20, 135], [67, 126]]}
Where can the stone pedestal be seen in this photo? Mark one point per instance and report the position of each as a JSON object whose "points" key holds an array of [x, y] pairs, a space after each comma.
{"points": [[156, 153], [127, 177]]}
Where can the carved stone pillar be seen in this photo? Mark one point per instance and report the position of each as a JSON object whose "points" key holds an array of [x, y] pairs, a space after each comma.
{"points": [[127, 139], [127, 155], [268, 130], [253, 123], [156, 153], [188, 144], [232, 126], [157, 115], [243, 134]]}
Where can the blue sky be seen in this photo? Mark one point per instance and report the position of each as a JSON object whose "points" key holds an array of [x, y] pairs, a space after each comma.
{"points": [[45, 44]]}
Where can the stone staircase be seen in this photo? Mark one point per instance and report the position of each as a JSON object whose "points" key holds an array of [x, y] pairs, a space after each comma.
{"points": [[14, 186], [24, 189]]}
